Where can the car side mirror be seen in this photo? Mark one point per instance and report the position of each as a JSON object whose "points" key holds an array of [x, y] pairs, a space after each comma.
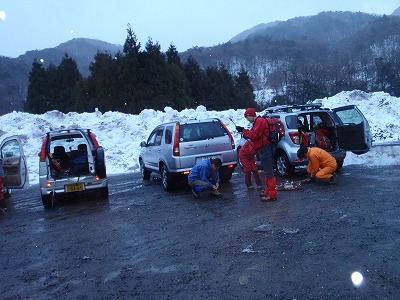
{"points": [[143, 144]]}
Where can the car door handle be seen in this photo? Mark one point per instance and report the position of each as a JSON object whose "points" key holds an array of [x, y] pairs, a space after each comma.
{"points": [[190, 146]]}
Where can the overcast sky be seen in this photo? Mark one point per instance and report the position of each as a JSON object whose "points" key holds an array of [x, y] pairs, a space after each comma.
{"points": [[38, 24]]}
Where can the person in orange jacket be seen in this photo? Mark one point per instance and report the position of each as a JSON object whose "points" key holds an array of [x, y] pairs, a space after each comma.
{"points": [[321, 164], [258, 137]]}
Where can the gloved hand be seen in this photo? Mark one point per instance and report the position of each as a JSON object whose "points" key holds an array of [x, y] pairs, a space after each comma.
{"points": [[239, 128]]}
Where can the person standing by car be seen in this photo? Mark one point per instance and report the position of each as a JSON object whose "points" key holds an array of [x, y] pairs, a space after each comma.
{"points": [[204, 175], [321, 164], [258, 136]]}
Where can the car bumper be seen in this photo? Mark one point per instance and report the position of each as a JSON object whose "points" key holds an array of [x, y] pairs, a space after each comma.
{"points": [[70, 185]]}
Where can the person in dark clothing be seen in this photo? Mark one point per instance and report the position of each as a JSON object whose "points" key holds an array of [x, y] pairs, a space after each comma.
{"points": [[204, 175], [258, 136]]}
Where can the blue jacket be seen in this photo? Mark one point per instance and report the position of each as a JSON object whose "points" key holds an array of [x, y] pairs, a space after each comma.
{"points": [[201, 171]]}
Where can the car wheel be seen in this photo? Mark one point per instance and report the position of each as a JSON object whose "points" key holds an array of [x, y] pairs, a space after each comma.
{"points": [[166, 178], [225, 177], [46, 200], [103, 192], [283, 166], [238, 160], [145, 173], [225, 174]]}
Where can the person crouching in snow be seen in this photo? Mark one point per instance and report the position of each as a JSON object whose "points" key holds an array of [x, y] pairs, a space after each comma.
{"points": [[246, 157], [204, 175], [321, 164], [258, 135]]}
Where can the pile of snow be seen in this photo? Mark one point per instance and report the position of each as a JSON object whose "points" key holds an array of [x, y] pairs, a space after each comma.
{"points": [[120, 134]]}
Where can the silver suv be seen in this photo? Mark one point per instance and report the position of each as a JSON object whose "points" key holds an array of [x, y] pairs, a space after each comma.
{"points": [[345, 129], [71, 161], [172, 149]]}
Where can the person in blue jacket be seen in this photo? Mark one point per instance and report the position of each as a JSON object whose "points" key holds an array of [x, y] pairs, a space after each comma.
{"points": [[204, 175]]}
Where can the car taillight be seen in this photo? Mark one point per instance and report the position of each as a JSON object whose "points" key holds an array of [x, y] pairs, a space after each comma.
{"points": [[43, 150], [94, 140], [229, 134], [176, 151], [294, 136]]}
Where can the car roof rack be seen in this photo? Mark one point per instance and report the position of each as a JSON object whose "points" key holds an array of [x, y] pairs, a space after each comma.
{"points": [[293, 108], [68, 130]]}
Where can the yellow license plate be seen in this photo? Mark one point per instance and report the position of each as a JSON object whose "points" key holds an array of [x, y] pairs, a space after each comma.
{"points": [[76, 187]]}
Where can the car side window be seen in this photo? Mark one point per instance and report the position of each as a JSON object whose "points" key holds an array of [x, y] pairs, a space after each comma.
{"points": [[10, 149], [291, 122], [168, 134], [151, 141], [159, 135]]}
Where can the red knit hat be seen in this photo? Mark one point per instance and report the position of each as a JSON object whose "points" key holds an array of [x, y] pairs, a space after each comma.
{"points": [[250, 112]]}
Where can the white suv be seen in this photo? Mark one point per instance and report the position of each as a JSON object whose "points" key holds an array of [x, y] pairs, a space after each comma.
{"points": [[346, 129], [71, 161], [172, 149]]}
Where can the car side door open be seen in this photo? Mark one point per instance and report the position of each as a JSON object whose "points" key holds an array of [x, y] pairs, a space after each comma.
{"points": [[353, 131], [14, 163]]}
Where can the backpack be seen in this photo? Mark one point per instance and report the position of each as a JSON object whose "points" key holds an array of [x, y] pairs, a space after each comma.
{"points": [[276, 130], [321, 138]]}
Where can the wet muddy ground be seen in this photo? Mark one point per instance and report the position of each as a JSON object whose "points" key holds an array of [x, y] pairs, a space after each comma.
{"points": [[145, 243]]}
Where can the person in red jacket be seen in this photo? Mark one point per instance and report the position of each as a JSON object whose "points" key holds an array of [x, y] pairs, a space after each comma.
{"points": [[321, 164], [247, 158], [258, 137]]}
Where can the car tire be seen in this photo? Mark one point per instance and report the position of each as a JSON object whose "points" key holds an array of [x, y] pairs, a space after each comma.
{"points": [[166, 178], [283, 166], [145, 173], [225, 175], [103, 192], [46, 200]]}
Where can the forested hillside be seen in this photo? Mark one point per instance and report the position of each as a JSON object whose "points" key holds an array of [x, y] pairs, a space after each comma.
{"points": [[311, 57], [14, 72]]}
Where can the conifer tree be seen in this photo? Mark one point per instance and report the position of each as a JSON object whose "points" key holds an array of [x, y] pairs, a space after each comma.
{"points": [[173, 56], [36, 101], [67, 77]]}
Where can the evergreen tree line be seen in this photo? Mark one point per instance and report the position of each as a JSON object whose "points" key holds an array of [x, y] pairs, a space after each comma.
{"points": [[135, 80]]}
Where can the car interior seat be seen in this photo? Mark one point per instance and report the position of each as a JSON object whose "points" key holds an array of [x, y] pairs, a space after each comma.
{"points": [[59, 153], [60, 160], [80, 163]]}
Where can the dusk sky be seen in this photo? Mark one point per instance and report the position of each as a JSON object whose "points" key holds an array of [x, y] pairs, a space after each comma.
{"points": [[38, 24]]}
